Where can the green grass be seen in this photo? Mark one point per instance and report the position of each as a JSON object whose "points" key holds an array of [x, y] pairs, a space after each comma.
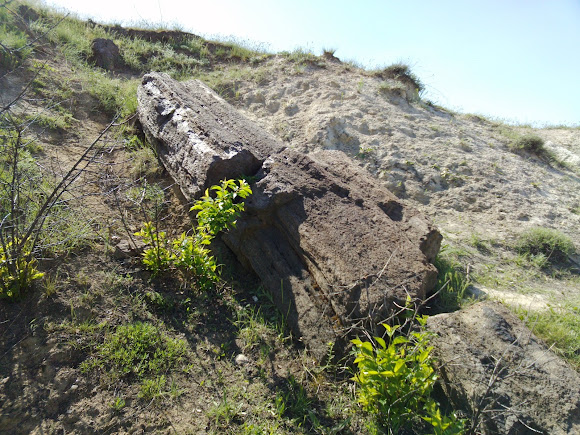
{"points": [[552, 245], [14, 40], [137, 350], [401, 72], [451, 281], [558, 327], [530, 143], [114, 95]]}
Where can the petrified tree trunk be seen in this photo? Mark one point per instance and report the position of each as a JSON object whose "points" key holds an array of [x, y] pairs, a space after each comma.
{"points": [[494, 368], [334, 247]]}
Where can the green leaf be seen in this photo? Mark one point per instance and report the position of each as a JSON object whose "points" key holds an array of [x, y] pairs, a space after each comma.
{"points": [[381, 342]]}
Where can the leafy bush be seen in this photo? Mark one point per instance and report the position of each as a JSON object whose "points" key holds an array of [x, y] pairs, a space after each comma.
{"points": [[220, 213], [190, 254], [395, 381], [552, 244], [531, 143], [159, 256]]}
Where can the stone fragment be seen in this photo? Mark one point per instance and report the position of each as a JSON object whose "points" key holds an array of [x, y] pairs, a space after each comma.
{"points": [[199, 137], [241, 359], [492, 364], [128, 249], [105, 54]]}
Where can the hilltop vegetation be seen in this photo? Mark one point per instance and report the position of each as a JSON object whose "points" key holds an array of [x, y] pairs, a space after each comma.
{"points": [[91, 341]]}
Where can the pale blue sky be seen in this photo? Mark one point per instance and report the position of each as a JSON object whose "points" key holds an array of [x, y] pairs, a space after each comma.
{"points": [[513, 59]]}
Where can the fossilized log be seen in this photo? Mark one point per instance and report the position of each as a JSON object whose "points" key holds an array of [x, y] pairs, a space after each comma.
{"points": [[494, 368], [199, 137], [333, 247]]}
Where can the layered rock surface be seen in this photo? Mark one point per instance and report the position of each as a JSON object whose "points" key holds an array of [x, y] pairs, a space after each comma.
{"points": [[199, 137], [493, 367], [333, 247]]}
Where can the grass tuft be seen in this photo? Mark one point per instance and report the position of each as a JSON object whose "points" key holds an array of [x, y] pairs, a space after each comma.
{"points": [[530, 143], [138, 350], [401, 72], [558, 327], [554, 246]]}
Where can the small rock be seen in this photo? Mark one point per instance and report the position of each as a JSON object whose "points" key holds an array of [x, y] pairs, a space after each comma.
{"points": [[128, 249], [27, 13], [106, 54], [241, 359]]}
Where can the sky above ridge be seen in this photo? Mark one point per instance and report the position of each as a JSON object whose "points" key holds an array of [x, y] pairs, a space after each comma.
{"points": [[517, 60]]}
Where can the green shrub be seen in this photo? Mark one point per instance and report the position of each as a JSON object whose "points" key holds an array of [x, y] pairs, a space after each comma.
{"points": [[552, 244], [402, 73], [395, 381], [531, 143], [220, 213], [190, 254], [158, 256]]}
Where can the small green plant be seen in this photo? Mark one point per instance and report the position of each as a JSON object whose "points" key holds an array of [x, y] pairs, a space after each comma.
{"points": [[152, 388], [220, 213], [546, 242], [224, 412], [17, 272], [395, 379], [190, 253], [117, 405], [159, 256], [295, 403], [451, 282]]}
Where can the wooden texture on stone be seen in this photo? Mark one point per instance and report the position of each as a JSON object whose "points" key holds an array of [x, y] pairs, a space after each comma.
{"points": [[199, 137], [492, 362], [333, 247]]}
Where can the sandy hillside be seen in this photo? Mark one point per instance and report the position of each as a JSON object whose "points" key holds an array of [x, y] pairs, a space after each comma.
{"points": [[457, 168]]}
